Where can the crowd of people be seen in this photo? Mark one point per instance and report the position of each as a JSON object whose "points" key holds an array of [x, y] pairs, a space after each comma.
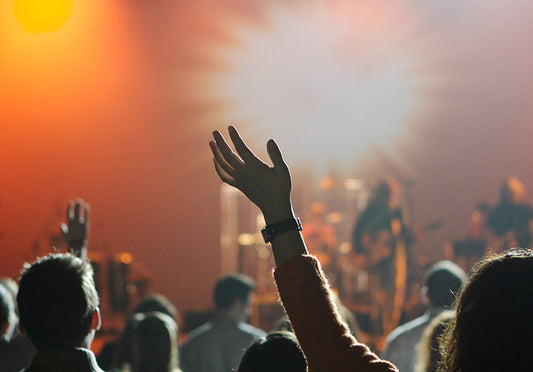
{"points": [[479, 322]]}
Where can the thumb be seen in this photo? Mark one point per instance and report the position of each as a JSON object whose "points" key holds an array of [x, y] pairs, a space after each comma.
{"points": [[275, 155], [64, 229]]}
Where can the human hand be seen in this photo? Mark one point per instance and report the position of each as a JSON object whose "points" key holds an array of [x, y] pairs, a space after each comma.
{"points": [[267, 187], [76, 230]]}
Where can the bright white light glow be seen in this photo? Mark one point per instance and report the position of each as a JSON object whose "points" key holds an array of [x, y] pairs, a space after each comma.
{"points": [[326, 84]]}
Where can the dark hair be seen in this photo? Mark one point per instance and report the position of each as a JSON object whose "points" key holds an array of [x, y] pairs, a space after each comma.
{"points": [[7, 307], [427, 351], [276, 352], [443, 280], [230, 288], [156, 302], [148, 343], [56, 300], [493, 327]]}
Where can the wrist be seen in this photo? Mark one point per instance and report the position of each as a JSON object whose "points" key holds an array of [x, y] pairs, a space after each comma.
{"points": [[278, 213], [77, 243]]}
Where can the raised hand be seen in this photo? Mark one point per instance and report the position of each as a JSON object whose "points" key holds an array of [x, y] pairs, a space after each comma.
{"points": [[76, 230], [267, 187]]}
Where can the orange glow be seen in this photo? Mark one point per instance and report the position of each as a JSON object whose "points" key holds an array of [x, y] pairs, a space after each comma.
{"points": [[43, 16], [59, 74]]}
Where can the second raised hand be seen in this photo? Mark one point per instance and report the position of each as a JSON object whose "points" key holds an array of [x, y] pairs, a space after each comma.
{"points": [[76, 230]]}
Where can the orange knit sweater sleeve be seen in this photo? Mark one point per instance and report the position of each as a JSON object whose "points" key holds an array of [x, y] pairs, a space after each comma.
{"points": [[324, 338]]}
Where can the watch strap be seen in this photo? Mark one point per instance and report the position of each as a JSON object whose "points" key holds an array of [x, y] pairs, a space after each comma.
{"points": [[270, 232]]}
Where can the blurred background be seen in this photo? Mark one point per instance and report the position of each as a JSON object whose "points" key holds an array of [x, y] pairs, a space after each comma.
{"points": [[114, 101]]}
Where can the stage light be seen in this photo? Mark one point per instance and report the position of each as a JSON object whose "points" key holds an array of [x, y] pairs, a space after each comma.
{"points": [[42, 16], [330, 82], [125, 258], [247, 239], [354, 184]]}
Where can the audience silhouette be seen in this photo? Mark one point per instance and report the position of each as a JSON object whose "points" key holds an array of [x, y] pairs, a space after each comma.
{"points": [[218, 345], [493, 328], [152, 303], [276, 352], [148, 344], [58, 306], [441, 283]]}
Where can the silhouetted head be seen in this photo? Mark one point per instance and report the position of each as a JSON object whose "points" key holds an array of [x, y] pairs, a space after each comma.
{"points": [[233, 292], [442, 283], [156, 302], [387, 191], [493, 327], [58, 302], [149, 343], [277, 352]]}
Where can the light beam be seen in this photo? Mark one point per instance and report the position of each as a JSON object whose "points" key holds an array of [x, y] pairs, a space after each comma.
{"points": [[334, 78]]}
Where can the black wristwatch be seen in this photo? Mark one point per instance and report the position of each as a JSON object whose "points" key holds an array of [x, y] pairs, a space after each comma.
{"points": [[271, 231]]}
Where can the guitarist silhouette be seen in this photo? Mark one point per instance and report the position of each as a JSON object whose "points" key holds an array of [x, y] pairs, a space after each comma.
{"points": [[381, 239]]}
